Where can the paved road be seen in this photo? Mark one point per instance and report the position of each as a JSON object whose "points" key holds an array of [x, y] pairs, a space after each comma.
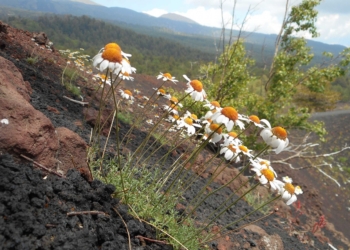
{"points": [[330, 113]]}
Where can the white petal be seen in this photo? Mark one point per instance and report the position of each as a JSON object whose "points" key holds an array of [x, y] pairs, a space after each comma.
{"points": [[286, 196], [228, 154], [111, 66], [229, 125], [188, 79], [266, 134], [98, 59], [223, 150], [216, 115], [240, 124], [263, 180], [104, 65], [291, 200]]}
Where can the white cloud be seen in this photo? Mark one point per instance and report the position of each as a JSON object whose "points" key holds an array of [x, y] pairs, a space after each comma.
{"points": [[209, 17], [156, 12], [333, 25], [264, 22], [266, 16]]}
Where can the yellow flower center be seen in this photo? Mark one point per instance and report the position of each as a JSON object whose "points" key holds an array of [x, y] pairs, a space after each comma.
{"points": [[233, 134], [161, 91], [167, 75], [176, 117], [230, 113], [232, 148], [290, 188], [112, 55], [243, 148], [173, 106], [194, 117], [196, 85], [270, 176], [103, 77], [112, 46], [128, 92], [215, 104], [216, 128], [280, 132], [188, 120], [255, 119], [174, 100], [209, 120], [126, 74], [266, 163]]}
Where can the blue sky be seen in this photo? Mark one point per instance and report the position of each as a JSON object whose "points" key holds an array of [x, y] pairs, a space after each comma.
{"points": [[265, 16]]}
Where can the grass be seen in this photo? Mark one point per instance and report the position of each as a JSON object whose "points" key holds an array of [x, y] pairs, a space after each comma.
{"points": [[255, 200], [32, 60], [141, 190], [69, 76]]}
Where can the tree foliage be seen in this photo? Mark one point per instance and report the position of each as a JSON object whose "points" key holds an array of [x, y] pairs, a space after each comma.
{"points": [[149, 54], [290, 89]]}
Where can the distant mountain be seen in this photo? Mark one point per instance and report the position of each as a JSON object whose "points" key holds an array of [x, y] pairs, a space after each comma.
{"points": [[169, 26], [176, 17], [86, 2]]}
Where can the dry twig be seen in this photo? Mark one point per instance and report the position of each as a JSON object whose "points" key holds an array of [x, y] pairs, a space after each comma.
{"points": [[86, 212], [42, 166]]}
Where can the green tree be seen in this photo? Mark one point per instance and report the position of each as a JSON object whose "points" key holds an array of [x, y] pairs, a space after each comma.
{"points": [[288, 73]]}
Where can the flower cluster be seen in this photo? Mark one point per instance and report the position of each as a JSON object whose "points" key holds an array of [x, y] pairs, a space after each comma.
{"points": [[220, 126]]}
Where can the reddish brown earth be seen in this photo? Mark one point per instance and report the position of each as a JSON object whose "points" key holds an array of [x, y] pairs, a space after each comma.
{"points": [[53, 131]]}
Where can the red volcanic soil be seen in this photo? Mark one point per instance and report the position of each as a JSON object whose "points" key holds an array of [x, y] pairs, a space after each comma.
{"points": [[38, 208]]}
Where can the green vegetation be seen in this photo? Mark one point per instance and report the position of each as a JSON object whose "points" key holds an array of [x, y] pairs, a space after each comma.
{"points": [[32, 60], [141, 189], [255, 200], [149, 54], [69, 77], [290, 89], [125, 117]]}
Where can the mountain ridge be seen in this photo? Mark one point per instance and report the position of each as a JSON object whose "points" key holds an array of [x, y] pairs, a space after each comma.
{"points": [[177, 17]]}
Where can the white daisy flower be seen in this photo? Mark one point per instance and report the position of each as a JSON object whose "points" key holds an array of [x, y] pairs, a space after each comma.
{"points": [[215, 131], [212, 105], [288, 190], [187, 122], [167, 77], [149, 121], [174, 100], [265, 173], [195, 88], [172, 109], [275, 137], [103, 79], [172, 118], [261, 123], [231, 137], [231, 151], [126, 94], [162, 92], [111, 57], [126, 76], [228, 116]]}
